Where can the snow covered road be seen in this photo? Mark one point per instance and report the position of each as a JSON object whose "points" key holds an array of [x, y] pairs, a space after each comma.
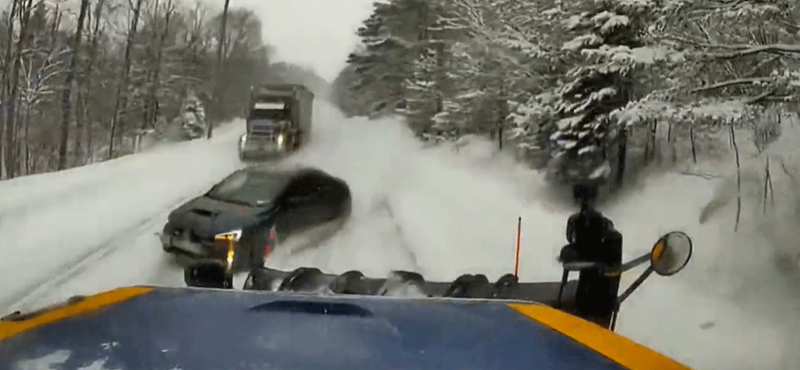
{"points": [[56, 226], [437, 211]]}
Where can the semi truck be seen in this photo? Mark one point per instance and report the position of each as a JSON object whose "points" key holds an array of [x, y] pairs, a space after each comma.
{"points": [[278, 121]]}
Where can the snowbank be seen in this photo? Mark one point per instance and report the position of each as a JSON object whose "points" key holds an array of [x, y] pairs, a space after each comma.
{"points": [[726, 301], [51, 223], [770, 206]]}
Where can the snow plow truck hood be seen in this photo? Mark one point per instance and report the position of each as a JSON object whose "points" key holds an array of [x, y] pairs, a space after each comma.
{"points": [[151, 328]]}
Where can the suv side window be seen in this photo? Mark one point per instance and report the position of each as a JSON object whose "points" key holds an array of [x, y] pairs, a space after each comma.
{"points": [[323, 185], [300, 189]]}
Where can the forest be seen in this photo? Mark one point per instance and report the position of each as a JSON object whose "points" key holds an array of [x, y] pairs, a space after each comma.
{"points": [[584, 90], [80, 80], [581, 89]]}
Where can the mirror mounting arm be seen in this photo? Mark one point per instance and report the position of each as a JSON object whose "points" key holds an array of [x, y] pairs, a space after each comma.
{"points": [[638, 282], [635, 262]]}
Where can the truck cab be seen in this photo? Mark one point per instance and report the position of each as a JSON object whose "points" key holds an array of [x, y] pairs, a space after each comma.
{"points": [[278, 121]]}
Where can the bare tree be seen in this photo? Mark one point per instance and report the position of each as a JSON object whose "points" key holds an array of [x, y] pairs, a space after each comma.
{"points": [[160, 34], [11, 126], [66, 97], [220, 104], [85, 83], [55, 83], [5, 136], [120, 97]]}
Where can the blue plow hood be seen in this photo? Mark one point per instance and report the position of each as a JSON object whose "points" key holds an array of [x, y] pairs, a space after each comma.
{"points": [[151, 328]]}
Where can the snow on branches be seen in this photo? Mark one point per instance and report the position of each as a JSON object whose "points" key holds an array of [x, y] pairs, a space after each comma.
{"points": [[571, 79], [656, 107]]}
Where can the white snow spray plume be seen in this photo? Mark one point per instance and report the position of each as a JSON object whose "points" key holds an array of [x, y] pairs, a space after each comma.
{"points": [[758, 266], [51, 361], [436, 211], [453, 211], [395, 286]]}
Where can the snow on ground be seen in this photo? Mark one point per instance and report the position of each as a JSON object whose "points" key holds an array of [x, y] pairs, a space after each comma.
{"points": [[728, 309], [51, 223], [439, 211], [424, 207]]}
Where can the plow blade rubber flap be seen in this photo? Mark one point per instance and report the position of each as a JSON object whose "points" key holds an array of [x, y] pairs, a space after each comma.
{"points": [[208, 274], [409, 284]]}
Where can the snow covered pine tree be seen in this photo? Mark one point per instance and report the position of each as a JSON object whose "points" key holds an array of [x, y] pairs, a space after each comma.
{"points": [[585, 131]]}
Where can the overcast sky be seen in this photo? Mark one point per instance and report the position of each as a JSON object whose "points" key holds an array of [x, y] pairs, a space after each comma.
{"points": [[313, 33]]}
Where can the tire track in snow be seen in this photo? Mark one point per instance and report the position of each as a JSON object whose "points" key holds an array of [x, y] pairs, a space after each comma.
{"points": [[74, 266], [346, 250], [38, 290], [409, 252]]}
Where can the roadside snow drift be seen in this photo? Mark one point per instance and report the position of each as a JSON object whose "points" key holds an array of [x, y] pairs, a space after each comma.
{"points": [[51, 224], [441, 211]]}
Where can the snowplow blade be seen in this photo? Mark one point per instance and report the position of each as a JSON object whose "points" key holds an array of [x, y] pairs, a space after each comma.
{"points": [[411, 284]]}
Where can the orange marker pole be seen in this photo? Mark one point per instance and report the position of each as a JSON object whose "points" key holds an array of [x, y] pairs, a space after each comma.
{"points": [[516, 258]]}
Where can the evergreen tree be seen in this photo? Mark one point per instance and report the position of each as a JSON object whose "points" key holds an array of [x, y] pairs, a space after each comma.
{"points": [[391, 38], [581, 137]]}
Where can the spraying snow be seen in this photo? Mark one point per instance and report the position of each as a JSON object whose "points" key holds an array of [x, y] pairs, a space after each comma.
{"points": [[416, 208], [444, 212], [441, 211]]}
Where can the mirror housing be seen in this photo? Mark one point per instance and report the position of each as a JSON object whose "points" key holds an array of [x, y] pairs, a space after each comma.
{"points": [[208, 275], [671, 253]]}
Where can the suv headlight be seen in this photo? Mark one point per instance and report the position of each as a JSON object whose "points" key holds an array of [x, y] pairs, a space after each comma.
{"points": [[230, 239], [281, 139], [233, 235]]}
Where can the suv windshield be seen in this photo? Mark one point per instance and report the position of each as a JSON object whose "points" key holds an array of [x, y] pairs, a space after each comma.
{"points": [[255, 189]]}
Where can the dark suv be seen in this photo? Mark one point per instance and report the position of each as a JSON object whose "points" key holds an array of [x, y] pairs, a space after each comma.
{"points": [[255, 210]]}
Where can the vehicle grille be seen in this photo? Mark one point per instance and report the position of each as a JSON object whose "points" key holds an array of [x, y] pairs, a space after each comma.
{"points": [[200, 239], [264, 129], [265, 132], [193, 237]]}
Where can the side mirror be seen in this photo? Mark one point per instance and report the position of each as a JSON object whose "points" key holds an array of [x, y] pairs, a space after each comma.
{"points": [[208, 275], [668, 257], [671, 253]]}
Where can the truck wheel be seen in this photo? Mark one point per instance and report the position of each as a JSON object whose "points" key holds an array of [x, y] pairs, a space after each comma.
{"points": [[259, 254], [167, 230], [297, 142], [274, 240]]}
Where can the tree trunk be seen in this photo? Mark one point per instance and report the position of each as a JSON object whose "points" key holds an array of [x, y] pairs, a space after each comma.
{"points": [[152, 111], [66, 95], [119, 100], [85, 82], [622, 155], [220, 76], [4, 89], [13, 98], [738, 178]]}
